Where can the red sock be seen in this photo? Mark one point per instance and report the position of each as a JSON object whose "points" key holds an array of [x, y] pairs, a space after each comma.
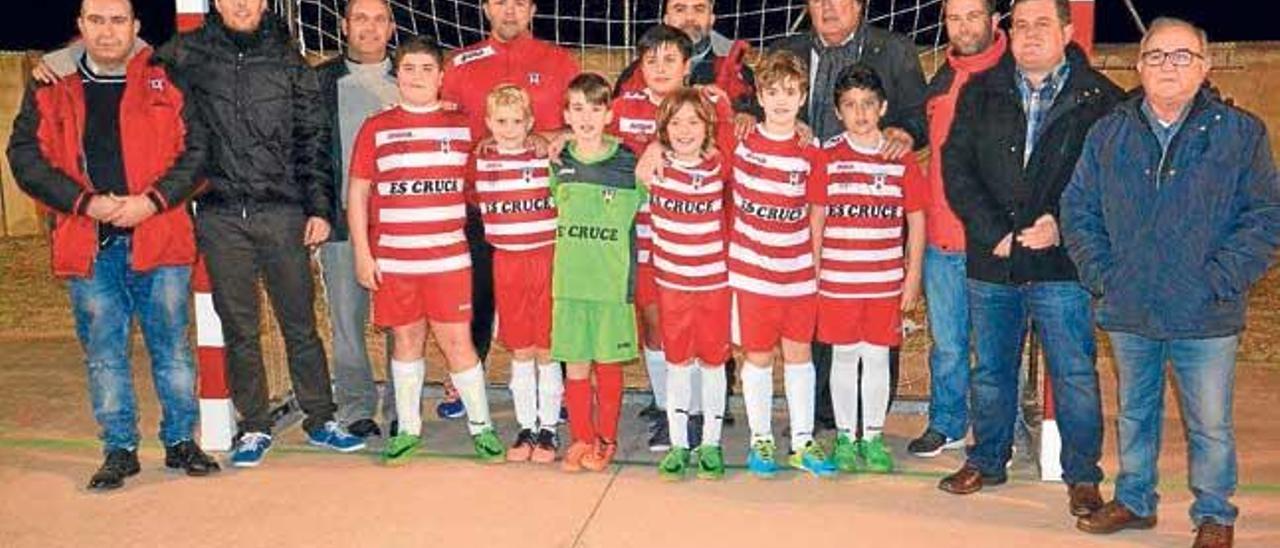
{"points": [[577, 397], [609, 398]]}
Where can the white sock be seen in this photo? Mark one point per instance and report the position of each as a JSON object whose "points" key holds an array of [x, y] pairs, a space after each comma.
{"points": [[695, 388], [875, 389], [407, 378], [713, 389], [844, 387], [655, 361], [679, 392], [799, 381], [524, 393], [470, 385], [550, 394], [757, 390]]}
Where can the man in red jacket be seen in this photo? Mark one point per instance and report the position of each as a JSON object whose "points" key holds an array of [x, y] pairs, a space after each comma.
{"points": [[112, 148], [977, 43]]}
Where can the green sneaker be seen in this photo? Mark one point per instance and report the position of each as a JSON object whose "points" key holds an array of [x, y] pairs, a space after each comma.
{"points": [[879, 459], [673, 466], [813, 459], [400, 449], [847, 455], [489, 449], [710, 462]]}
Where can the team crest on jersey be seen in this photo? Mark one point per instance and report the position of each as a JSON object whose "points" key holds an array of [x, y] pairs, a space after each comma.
{"points": [[473, 55], [535, 78], [795, 177], [697, 180], [608, 194], [527, 175], [156, 84], [445, 146], [879, 180]]}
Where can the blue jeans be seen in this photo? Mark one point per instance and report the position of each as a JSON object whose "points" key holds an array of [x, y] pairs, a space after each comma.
{"points": [[105, 305], [1205, 370], [1063, 319], [945, 291]]}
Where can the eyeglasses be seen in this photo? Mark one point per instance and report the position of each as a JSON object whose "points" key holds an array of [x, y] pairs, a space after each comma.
{"points": [[1179, 57]]}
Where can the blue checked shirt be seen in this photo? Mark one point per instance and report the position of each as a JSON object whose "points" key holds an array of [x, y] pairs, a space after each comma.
{"points": [[1036, 103]]}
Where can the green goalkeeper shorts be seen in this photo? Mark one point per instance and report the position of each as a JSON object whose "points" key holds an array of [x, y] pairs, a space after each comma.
{"points": [[591, 331]]}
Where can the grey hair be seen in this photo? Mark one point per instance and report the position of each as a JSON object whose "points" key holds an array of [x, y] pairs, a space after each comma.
{"points": [[1162, 23]]}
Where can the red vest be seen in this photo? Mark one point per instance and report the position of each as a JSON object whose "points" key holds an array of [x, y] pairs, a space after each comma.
{"points": [[151, 137]]}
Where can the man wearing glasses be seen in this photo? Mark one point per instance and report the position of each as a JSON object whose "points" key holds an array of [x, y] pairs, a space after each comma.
{"points": [[1172, 215]]}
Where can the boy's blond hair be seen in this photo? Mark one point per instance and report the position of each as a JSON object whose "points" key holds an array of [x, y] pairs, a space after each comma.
{"points": [[779, 68], [509, 96]]}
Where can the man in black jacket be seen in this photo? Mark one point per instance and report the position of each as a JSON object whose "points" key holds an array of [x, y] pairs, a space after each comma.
{"points": [[1018, 131], [269, 200]]}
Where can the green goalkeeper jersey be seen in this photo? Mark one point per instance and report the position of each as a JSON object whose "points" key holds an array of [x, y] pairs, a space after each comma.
{"points": [[596, 201]]}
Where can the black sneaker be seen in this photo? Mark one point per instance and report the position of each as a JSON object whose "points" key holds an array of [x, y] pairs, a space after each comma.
{"points": [[118, 465], [545, 447], [695, 430], [187, 456], [931, 444], [364, 428], [659, 435], [651, 412]]}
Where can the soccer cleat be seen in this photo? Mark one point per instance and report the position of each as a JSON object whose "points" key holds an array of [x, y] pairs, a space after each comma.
{"points": [[544, 447], [335, 437], [813, 459], [878, 458], [574, 454], [400, 448], [847, 454], [710, 459], [659, 435], [932, 443], [601, 457], [672, 467], [760, 460], [488, 447], [522, 449], [250, 449]]}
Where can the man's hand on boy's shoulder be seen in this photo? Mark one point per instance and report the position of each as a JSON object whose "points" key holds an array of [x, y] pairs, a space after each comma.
{"points": [[897, 143]]}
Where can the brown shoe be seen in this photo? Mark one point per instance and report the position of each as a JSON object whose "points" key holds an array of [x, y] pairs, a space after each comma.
{"points": [[1085, 499], [1212, 535], [1112, 517], [968, 480]]}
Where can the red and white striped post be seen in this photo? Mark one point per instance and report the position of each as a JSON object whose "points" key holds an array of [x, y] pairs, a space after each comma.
{"points": [[217, 414], [1082, 19]]}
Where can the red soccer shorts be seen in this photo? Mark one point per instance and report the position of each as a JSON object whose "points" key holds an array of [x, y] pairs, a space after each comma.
{"points": [[695, 324], [442, 298], [760, 322], [849, 321], [522, 289], [646, 286]]}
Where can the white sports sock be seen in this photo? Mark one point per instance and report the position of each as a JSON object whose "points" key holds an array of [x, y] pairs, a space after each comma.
{"points": [[713, 389], [678, 396], [875, 389], [655, 361], [470, 385], [407, 378], [757, 390], [695, 390], [524, 393], [799, 381], [550, 394], [844, 387]]}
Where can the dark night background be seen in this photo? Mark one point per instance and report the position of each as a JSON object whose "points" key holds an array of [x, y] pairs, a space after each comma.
{"points": [[43, 24]]}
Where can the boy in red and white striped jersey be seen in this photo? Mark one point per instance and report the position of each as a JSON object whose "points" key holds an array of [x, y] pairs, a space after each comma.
{"points": [[407, 212], [864, 284], [664, 53], [511, 189], [771, 264], [689, 231]]}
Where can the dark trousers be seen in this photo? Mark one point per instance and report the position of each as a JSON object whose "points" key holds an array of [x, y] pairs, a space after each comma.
{"points": [[822, 411], [481, 285], [240, 247]]}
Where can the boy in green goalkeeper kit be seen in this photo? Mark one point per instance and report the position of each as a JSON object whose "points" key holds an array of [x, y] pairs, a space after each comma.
{"points": [[593, 318]]}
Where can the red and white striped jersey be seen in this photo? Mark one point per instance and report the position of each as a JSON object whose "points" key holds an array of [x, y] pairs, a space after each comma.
{"points": [[512, 190], [687, 204], [635, 121], [866, 200], [417, 160], [770, 247]]}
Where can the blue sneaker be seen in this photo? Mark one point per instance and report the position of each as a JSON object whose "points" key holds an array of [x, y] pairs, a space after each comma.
{"points": [[760, 460], [451, 409], [813, 459], [335, 437], [250, 449]]}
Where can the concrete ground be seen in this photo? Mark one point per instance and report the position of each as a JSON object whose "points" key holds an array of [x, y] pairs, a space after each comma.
{"points": [[301, 496]]}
